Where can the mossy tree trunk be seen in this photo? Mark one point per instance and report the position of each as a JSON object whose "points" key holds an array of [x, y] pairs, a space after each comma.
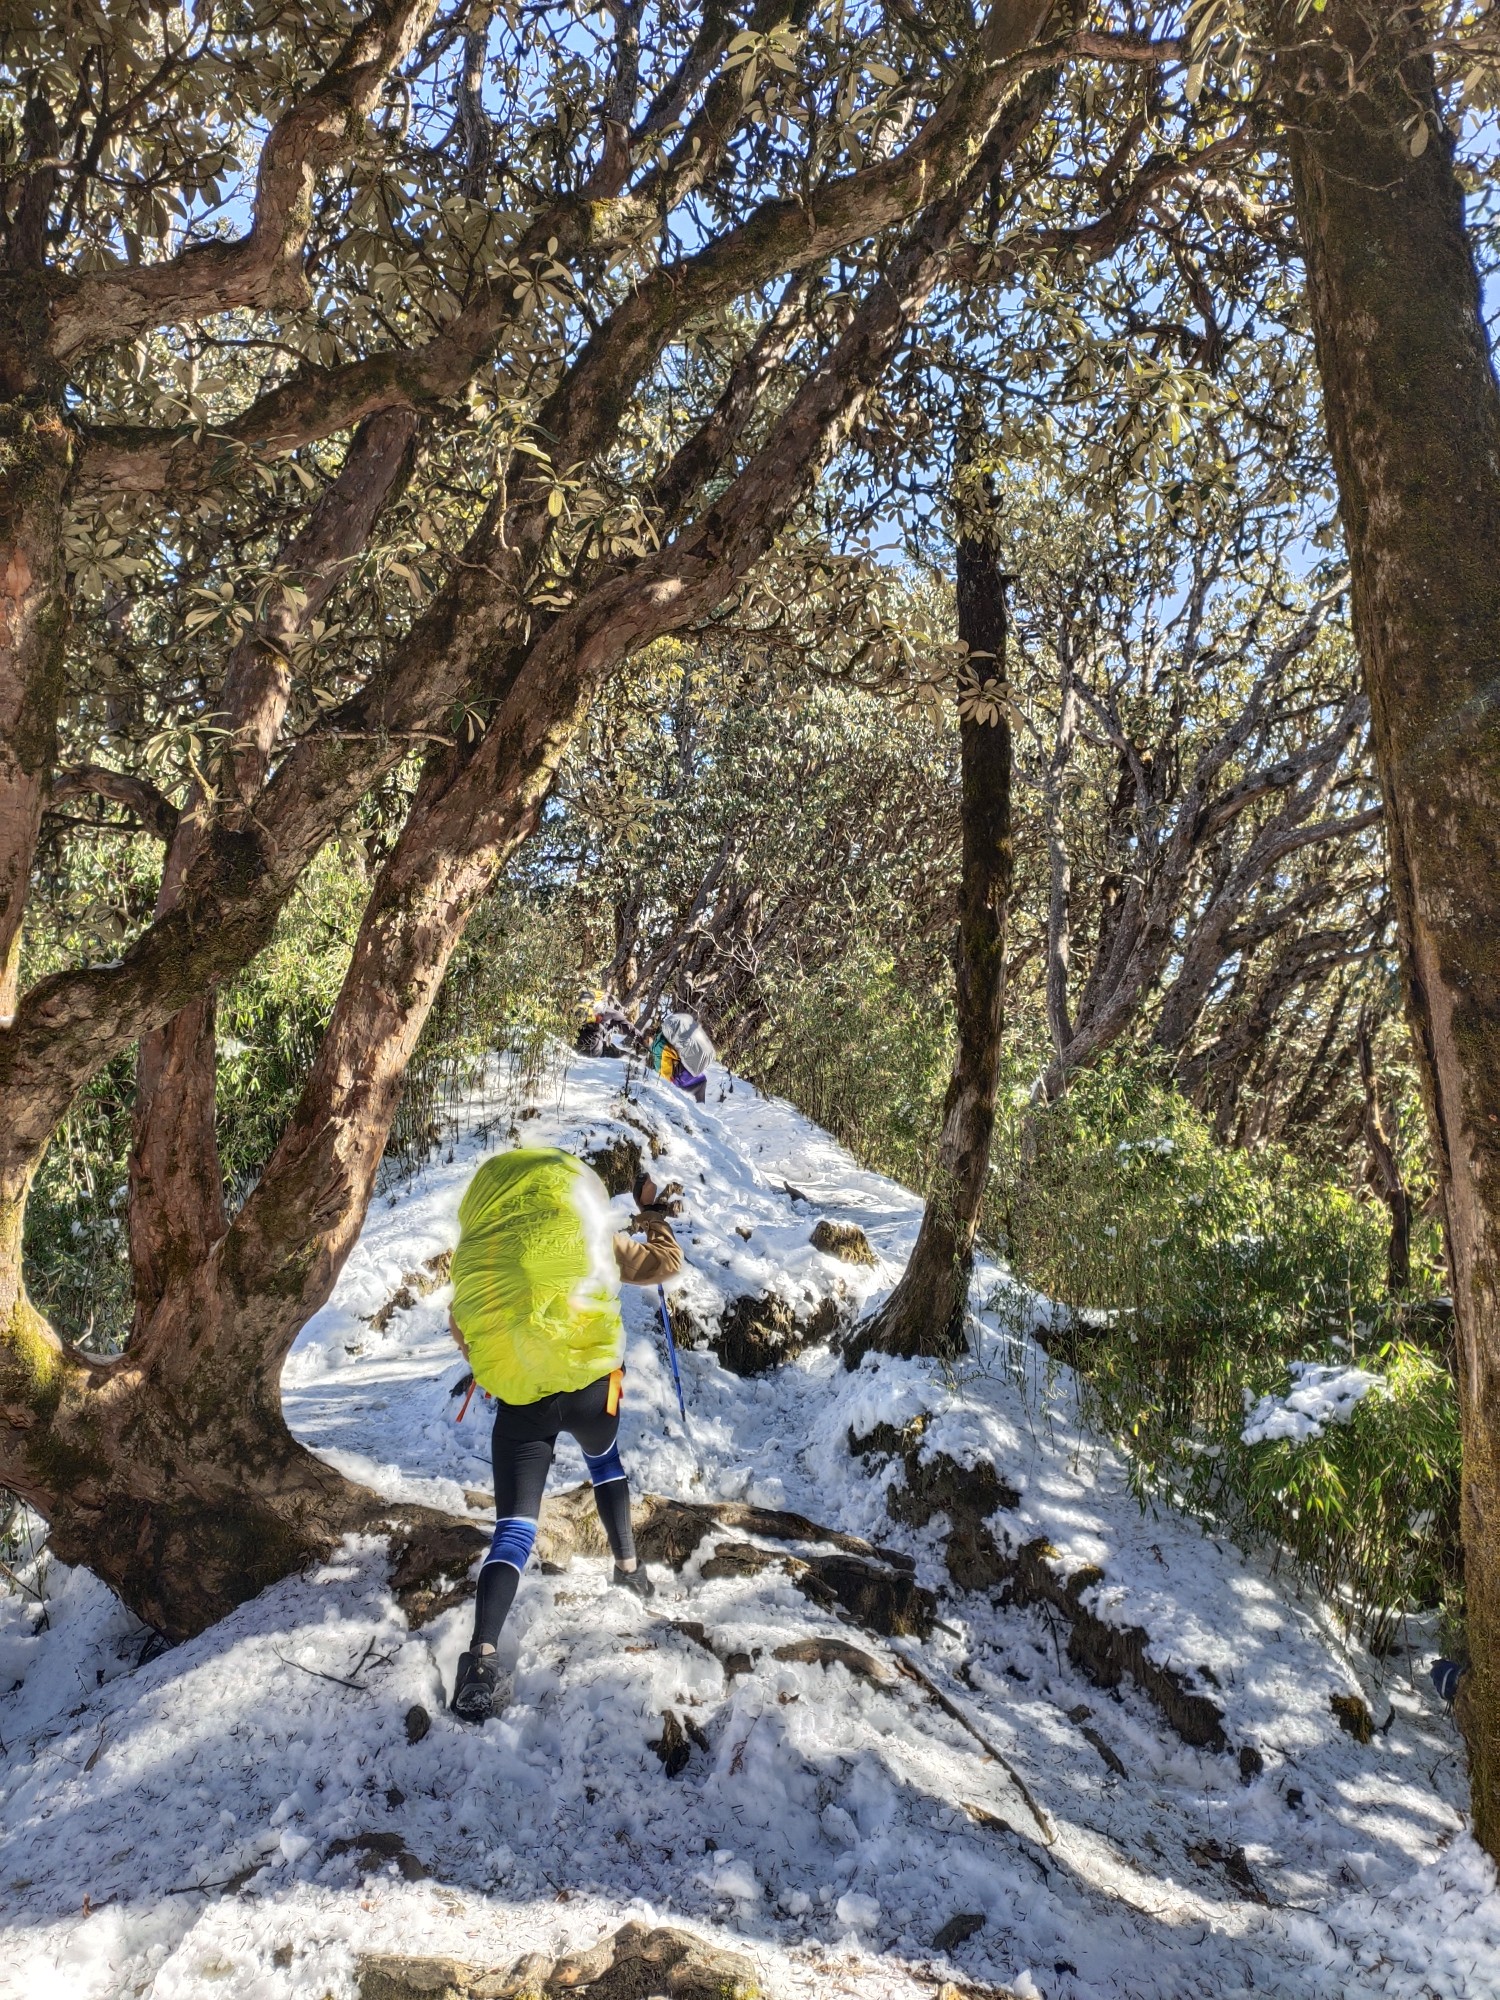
{"points": [[1413, 414], [925, 1314]]}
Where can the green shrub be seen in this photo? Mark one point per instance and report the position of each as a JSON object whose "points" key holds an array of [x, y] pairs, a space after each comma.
{"points": [[1196, 1274], [1368, 1509], [864, 1051]]}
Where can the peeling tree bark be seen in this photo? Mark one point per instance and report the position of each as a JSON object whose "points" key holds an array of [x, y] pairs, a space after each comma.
{"points": [[925, 1314], [1413, 415]]}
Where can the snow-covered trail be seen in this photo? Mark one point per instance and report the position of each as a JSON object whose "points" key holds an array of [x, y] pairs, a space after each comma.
{"points": [[192, 1825]]}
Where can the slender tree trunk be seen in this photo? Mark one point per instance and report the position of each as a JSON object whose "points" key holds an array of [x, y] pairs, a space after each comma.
{"points": [[925, 1313], [1413, 415], [1385, 1169]]}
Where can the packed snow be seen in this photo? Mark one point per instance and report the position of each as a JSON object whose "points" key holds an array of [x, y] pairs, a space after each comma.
{"points": [[189, 1822]]}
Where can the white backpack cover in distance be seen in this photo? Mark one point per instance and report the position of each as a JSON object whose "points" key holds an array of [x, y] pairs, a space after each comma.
{"points": [[689, 1037]]}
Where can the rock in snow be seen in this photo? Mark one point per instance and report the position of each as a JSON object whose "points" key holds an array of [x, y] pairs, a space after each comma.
{"points": [[871, 1802]]}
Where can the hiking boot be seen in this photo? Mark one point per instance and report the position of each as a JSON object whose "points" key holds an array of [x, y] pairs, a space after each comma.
{"points": [[635, 1581], [475, 1687]]}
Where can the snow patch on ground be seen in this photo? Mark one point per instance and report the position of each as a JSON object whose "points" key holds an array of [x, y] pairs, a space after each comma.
{"points": [[181, 1825]]}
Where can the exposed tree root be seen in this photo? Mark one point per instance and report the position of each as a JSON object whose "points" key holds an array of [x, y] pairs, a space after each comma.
{"points": [[827, 1652], [669, 1531], [432, 1556], [951, 1709]]}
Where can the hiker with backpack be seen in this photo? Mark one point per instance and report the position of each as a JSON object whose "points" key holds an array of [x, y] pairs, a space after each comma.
{"points": [[682, 1052], [536, 1313], [607, 1030]]}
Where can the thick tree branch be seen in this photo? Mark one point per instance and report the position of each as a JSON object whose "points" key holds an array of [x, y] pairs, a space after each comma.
{"points": [[780, 235], [176, 1207], [317, 402], [263, 267], [152, 808]]}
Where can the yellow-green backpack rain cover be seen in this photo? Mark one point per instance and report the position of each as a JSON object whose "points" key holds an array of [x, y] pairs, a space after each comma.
{"points": [[536, 1290]]}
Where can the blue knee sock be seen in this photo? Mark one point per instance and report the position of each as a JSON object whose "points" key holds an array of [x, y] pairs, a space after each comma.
{"points": [[612, 1498], [500, 1577]]}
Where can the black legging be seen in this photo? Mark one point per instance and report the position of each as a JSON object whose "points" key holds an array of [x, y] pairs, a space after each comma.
{"points": [[521, 1448]]}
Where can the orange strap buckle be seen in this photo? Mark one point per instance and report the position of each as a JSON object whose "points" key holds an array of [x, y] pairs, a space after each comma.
{"points": [[616, 1391]]}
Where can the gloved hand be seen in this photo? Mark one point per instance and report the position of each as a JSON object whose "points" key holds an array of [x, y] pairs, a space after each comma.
{"points": [[651, 1200]]}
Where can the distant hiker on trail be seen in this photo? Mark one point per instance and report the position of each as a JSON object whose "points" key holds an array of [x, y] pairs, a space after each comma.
{"points": [[682, 1053], [607, 1030], [536, 1311]]}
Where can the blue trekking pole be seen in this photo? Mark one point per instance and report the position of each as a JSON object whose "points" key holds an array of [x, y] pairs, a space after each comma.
{"points": [[666, 1327]]}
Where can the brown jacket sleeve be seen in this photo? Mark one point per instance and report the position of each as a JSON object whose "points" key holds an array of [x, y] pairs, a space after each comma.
{"points": [[660, 1256]]}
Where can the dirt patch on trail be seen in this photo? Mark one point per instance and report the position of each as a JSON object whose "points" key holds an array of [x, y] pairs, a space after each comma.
{"points": [[755, 1335], [375, 1850], [430, 1564], [887, 1601], [968, 1494], [634, 1961], [617, 1164], [880, 1599], [844, 1240], [758, 1332], [414, 1285]]}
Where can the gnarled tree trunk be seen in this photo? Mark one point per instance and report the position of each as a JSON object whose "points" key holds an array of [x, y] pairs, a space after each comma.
{"points": [[171, 1471], [1413, 415], [925, 1313]]}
